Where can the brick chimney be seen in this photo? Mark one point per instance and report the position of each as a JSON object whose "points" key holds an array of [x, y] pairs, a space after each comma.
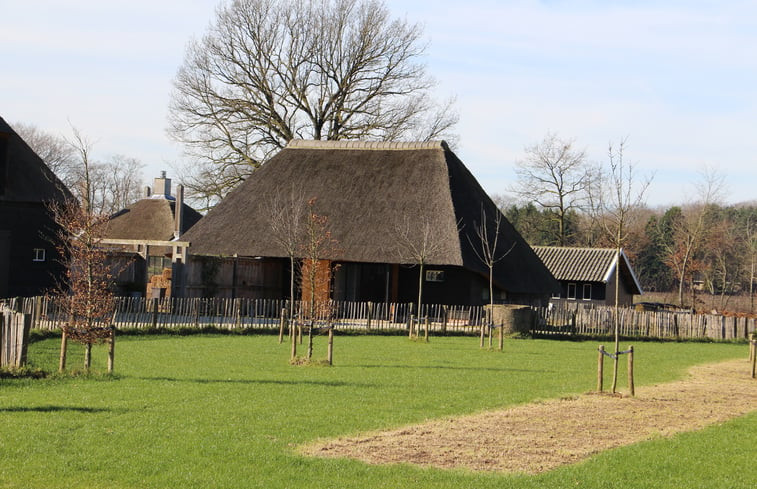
{"points": [[178, 212], [161, 188]]}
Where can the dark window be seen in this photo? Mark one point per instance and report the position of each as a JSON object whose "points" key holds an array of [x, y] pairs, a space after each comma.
{"points": [[434, 276], [156, 264], [572, 291], [587, 292]]}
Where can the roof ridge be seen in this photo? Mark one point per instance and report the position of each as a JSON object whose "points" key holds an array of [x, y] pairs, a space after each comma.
{"points": [[366, 145]]}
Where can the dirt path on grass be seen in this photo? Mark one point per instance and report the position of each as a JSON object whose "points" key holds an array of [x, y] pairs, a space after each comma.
{"points": [[540, 436]]}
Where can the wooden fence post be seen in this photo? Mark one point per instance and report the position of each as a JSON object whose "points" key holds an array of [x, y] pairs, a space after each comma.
{"points": [[483, 325], [630, 371], [282, 322], [155, 313], [370, 316], [753, 351], [294, 341], [501, 337], [600, 368], [444, 320], [330, 350], [426, 325], [111, 349], [410, 324]]}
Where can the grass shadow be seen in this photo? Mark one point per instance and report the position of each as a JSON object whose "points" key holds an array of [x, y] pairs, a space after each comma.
{"points": [[53, 409], [325, 383]]}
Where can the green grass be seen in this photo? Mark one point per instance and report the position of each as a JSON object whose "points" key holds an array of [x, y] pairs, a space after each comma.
{"points": [[228, 411]]}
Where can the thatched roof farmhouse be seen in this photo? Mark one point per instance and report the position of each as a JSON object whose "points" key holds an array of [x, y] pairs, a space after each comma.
{"points": [[376, 195], [145, 239]]}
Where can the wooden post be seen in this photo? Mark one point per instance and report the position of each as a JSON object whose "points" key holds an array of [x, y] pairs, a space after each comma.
{"points": [[630, 371], [155, 313], [600, 367], [282, 322], [330, 350], [63, 351], [294, 342], [483, 325], [444, 320], [410, 324], [426, 325], [491, 332], [501, 337], [753, 353], [87, 356], [111, 349], [370, 316]]}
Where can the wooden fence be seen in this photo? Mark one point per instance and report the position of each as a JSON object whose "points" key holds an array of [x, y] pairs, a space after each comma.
{"points": [[14, 337], [600, 321], [174, 313]]}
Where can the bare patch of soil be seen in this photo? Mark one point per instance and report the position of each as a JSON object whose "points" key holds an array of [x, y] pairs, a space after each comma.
{"points": [[536, 437]]}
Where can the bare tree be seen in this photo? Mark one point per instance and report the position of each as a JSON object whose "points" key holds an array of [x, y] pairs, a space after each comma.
{"points": [[269, 71], [55, 151], [556, 176], [316, 245], [88, 302], [113, 184], [690, 229], [288, 212], [488, 249], [418, 243], [622, 195]]}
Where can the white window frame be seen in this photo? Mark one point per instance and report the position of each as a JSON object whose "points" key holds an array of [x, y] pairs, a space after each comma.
{"points": [[569, 296], [587, 297], [39, 254]]}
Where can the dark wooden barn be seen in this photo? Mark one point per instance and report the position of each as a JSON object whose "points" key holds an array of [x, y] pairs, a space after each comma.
{"points": [[29, 263], [587, 275], [381, 199]]}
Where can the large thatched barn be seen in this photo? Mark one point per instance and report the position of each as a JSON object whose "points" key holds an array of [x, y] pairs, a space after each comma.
{"points": [[29, 262], [386, 204]]}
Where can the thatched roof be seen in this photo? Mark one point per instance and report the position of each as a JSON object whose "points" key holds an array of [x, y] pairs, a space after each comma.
{"points": [[374, 194], [150, 219], [587, 264], [26, 178]]}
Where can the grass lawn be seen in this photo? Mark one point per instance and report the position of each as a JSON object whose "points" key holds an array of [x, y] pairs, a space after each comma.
{"points": [[228, 411]]}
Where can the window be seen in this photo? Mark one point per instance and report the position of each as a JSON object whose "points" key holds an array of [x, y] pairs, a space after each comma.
{"points": [[587, 292], [39, 254], [571, 291], [434, 276], [556, 295]]}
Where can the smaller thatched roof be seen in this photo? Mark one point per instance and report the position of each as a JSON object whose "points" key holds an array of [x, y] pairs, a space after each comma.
{"points": [[570, 264], [150, 219]]}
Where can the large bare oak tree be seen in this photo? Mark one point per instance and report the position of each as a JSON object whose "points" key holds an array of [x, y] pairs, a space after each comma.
{"points": [[270, 71]]}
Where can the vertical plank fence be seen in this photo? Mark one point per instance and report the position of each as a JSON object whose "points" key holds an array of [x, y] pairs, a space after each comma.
{"points": [[265, 314], [14, 337]]}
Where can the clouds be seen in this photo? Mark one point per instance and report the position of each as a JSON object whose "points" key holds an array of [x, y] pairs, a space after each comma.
{"points": [[676, 77]]}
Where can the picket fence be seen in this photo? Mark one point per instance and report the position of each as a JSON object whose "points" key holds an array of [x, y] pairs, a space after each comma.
{"points": [[175, 313], [600, 321], [266, 314], [14, 337]]}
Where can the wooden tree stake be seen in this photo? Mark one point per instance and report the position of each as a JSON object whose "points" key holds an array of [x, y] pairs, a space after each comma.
{"points": [[330, 350], [600, 367], [111, 350], [630, 371], [282, 322]]}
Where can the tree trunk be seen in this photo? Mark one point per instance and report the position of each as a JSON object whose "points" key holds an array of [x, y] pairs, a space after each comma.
{"points": [[63, 351], [87, 356], [617, 323]]}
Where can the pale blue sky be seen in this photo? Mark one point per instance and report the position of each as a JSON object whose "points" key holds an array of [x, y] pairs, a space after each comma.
{"points": [[677, 78]]}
